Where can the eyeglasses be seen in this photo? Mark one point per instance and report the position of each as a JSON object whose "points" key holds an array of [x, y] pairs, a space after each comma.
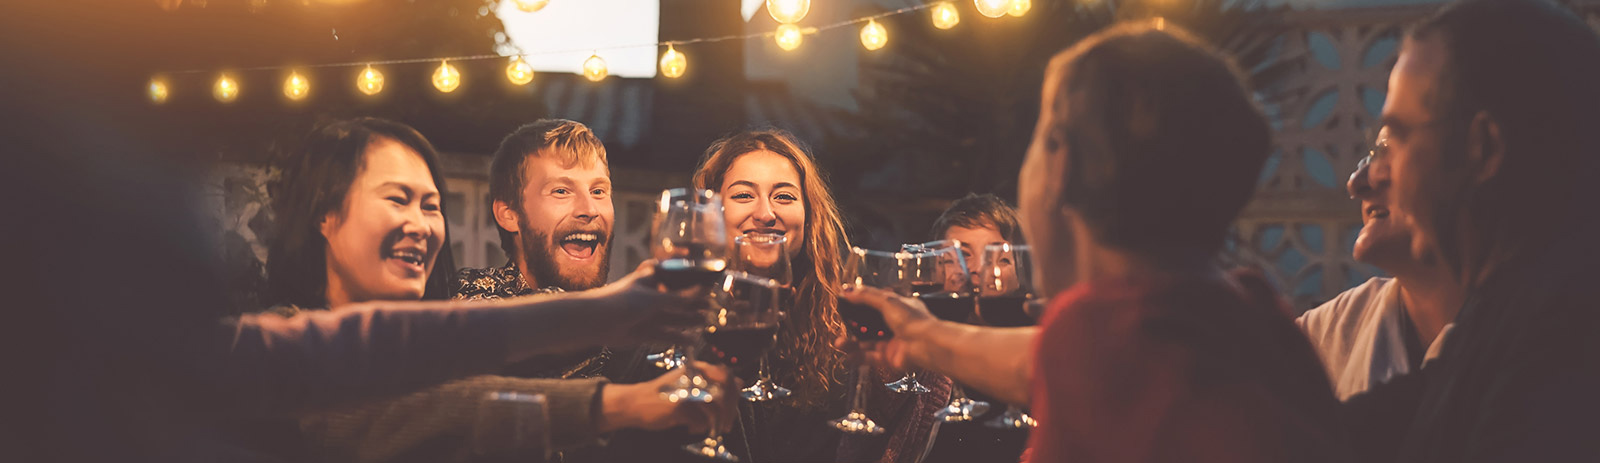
{"points": [[1380, 148]]}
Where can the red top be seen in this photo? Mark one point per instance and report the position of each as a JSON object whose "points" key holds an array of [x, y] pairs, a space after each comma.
{"points": [[1191, 368]]}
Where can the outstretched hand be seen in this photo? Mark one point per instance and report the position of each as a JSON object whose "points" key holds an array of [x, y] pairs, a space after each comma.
{"points": [[641, 406], [641, 310], [906, 317]]}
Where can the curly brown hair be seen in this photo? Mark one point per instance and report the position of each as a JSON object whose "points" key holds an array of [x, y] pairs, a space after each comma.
{"points": [[807, 342]]}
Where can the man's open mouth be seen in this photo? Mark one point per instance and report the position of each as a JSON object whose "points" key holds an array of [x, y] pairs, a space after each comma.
{"points": [[580, 245], [1376, 212]]}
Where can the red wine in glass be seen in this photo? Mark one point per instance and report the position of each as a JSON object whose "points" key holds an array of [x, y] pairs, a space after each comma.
{"points": [[863, 322], [741, 348], [682, 272], [921, 288], [948, 305], [1008, 310]]}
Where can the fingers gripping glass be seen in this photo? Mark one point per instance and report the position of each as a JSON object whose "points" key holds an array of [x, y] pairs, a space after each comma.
{"points": [[1005, 288], [765, 255], [884, 270], [689, 244]]}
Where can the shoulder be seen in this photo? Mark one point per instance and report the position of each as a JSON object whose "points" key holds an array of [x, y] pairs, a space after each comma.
{"points": [[486, 283], [1345, 310]]}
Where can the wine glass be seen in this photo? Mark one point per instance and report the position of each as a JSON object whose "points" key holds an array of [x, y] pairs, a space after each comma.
{"points": [[880, 270], [741, 327], [689, 245], [765, 255], [1005, 290], [937, 275]]}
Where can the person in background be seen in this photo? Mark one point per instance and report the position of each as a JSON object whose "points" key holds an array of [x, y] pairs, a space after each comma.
{"points": [[1491, 113], [361, 209], [1388, 326], [1148, 145], [977, 221]]}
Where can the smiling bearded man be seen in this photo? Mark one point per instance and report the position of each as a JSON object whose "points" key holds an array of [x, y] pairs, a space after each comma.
{"points": [[550, 184]]}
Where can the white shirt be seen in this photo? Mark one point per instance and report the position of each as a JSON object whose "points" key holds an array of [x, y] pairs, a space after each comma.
{"points": [[1361, 339]]}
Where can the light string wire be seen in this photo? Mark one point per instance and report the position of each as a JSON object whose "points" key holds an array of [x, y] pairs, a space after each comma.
{"points": [[769, 34]]}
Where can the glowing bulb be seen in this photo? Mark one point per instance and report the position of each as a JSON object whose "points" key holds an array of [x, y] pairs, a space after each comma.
{"points": [[873, 36], [1020, 7], [594, 68], [446, 78], [673, 63], [296, 87], [993, 8], [529, 6], [945, 15], [158, 91], [370, 81], [788, 36], [226, 89], [788, 11], [519, 72]]}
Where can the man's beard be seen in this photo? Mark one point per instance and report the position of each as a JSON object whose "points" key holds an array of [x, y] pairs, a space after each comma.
{"points": [[541, 262]]}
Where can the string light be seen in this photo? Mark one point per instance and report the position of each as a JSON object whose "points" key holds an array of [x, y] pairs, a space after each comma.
{"points": [[993, 8], [945, 15], [788, 11], [296, 87], [370, 81], [446, 78], [158, 91], [673, 63], [873, 36], [529, 6], [1020, 7], [226, 89], [519, 71], [788, 37], [594, 68]]}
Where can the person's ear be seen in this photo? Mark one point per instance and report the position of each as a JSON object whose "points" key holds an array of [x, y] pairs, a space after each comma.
{"points": [[506, 216], [1486, 148]]}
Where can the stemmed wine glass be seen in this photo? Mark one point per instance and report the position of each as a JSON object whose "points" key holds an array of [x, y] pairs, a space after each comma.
{"points": [[880, 270], [1005, 289], [764, 255], [938, 275], [741, 327], [689, 245]]}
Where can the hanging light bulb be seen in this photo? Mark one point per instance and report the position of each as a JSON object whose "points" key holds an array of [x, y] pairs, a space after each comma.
{"points": [[873, 36], [673, 63], [945, 15], [226, 89], [296, 87], [1020, 7], [529, 6], [519, 71], [158, 91], [370, 81], [788, 36], [993, 8], [446, 78], [788, 11], [594, 68]]}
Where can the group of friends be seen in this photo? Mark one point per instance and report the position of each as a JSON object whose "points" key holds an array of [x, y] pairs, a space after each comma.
{"points": [[1477, 200]]}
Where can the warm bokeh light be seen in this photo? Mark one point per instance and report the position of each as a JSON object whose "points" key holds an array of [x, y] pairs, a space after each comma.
{"points": [[296, 87], [446, 78], [519, 71], [788, 37], [788, 11], [370, 81], [1020, 7], [945, 15], [529, 6], [873, 35], [993, 8], [594, 68], [673, 63], [226, 89], [158, 91]]}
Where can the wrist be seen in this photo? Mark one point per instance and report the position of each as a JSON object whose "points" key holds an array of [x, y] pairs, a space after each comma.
{"points": [[615, 403]]}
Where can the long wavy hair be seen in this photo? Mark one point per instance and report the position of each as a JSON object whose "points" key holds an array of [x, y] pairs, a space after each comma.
{"points": [[806, 341], [315, 179]]}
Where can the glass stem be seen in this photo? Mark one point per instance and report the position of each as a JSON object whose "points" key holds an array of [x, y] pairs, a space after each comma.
{"points": [[859, 404]]}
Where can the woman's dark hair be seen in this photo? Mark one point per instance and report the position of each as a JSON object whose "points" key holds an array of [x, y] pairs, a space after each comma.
{"points": [[314, 182]]}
